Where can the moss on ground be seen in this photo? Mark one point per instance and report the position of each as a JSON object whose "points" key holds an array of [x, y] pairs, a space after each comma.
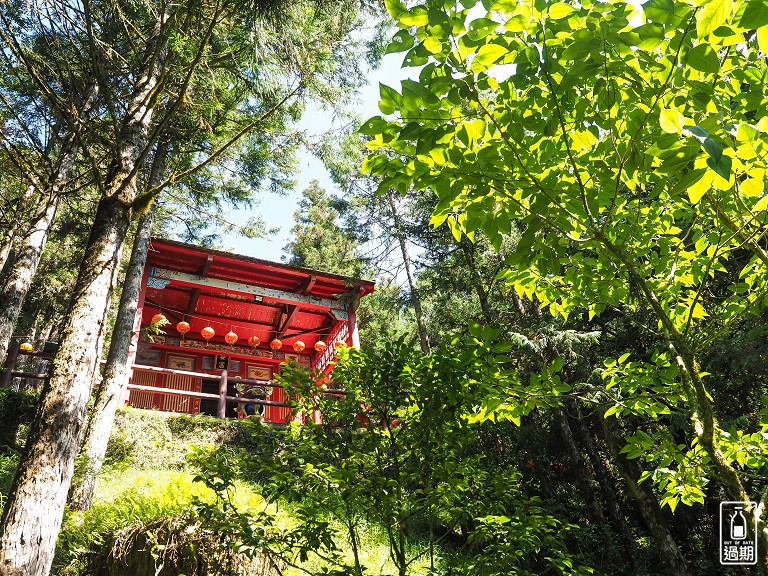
{"points": [[146, 439]]}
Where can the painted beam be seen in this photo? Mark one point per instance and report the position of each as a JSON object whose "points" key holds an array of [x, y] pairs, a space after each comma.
{"points": [[159, 278], [290, 314], [206, 266], [194, 296], [306, 288]]}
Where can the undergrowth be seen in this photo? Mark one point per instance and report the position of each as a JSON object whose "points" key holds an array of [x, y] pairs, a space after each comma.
{"points": [[148, 480], [148, 440]]}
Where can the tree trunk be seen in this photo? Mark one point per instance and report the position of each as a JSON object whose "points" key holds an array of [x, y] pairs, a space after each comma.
{"points": [[578, 469], [24, 202], [5, 247], [666, 547], [27, 250], [469, 253], [606, 482], [420, 323], [33, 513], [116, 370]]}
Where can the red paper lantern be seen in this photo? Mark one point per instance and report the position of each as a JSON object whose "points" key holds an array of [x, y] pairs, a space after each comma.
{"points": [[320, 346], [298, 346], [254, 341], [183, 327], [159, 319], [276, 344], [230, 338], [207, 332], [339, 345]]}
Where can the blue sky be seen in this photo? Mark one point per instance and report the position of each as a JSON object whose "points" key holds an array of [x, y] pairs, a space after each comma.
{"points": [[278, 210]]}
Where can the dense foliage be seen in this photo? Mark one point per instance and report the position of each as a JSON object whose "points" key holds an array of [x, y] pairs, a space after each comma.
{"points": [[576, 192], [625, 150]]}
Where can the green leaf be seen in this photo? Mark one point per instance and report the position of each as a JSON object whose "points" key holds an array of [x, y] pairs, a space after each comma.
{"points": [[580, 49], [696, 132], [755, 15], [486, 56], [761, 205], [401, 42], [713, 148], [480, 28], [415, 17], [666, 12], [700, 187], [704, 59], [721, 166], [560, 10], [762, 39], [373, 126], [395, 7], [752, 187], [516, 24], [671, 121], [455, 228], [711, 15], [691, 177], [583, 140], [433, 45]]}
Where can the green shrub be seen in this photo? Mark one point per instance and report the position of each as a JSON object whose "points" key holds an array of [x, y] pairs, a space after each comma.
{"points": [[17, 409], [8, 464], [147, 440], [127, 499]]}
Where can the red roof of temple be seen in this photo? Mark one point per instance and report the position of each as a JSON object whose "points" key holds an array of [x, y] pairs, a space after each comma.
{"points": [[247, 295]]}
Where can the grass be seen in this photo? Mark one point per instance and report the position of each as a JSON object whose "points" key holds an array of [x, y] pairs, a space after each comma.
{"points": [[148, 476]]}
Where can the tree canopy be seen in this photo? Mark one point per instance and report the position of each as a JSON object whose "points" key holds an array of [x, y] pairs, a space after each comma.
{"points": [[627, 148]]}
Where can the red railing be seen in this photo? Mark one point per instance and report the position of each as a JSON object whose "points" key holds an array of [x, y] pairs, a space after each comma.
{"points": [[222, 397]]}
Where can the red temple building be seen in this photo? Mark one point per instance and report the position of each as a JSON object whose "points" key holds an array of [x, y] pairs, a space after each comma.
{"points": [[234, 321]]}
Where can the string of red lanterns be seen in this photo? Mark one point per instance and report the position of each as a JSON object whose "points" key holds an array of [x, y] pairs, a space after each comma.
{"points": [[231, 337]]}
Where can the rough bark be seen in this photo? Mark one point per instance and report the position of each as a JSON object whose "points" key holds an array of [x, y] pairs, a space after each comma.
{"points": [[33, 513], [482, 295], [5, 247], [666, 547], [27, 249], [34, 510], [578, 469], [102, 418], [400, 234], [607, 490]]}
